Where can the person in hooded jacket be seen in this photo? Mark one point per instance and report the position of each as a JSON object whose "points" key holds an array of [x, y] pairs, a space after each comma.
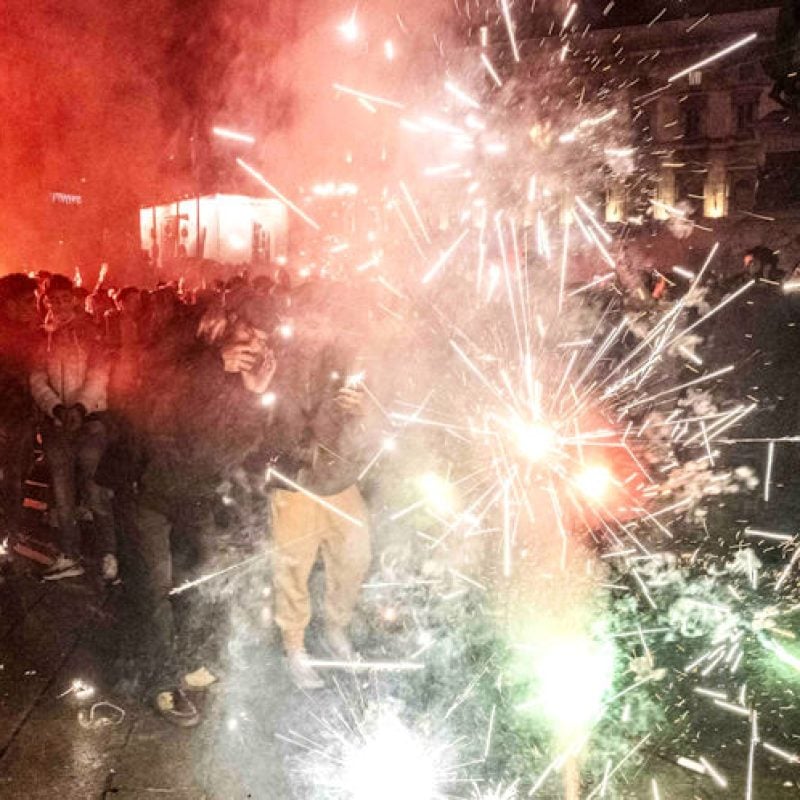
{"points": [[321, 436], [18, 340], [69, 381], [203, 417]]}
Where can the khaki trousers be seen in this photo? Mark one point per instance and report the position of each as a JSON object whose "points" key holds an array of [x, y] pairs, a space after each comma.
{"points": [[301, 528]]}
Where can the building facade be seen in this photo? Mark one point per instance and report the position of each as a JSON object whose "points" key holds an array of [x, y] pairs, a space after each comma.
{"points": [[708, 138]]}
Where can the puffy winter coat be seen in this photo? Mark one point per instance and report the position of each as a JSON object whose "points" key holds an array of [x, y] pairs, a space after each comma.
{"points": [[71, 366]]}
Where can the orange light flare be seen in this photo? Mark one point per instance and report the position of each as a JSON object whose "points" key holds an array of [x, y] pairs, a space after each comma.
{"points": [[594, 482]]}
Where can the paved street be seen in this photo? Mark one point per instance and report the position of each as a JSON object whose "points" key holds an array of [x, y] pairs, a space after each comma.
{"points": [[53, 634]]}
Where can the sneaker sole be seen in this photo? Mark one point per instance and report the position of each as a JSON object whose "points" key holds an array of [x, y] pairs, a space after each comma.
{"points": [[69, 573], [179, 722]]}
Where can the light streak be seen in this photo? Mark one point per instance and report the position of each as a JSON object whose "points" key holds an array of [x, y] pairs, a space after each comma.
{"points": [[569, 16], [790, 757], [489, 731], [697, 22], [490, 69], [768, 476], [681, 387], [212, 575], [715, 775], [788, 571], [444, 257], [694, 766], [654, 787], [716, 56], [592, 220], [710, 693], [510, 29], [562, 278], [372, 98], [644, 589], [415, 211], [754, 738], [267, 185], [635, 749], [780, 537], [466, 579], [367, 666], [442, 169], [733, 708], [461, 95], [226, 133], [683, 272], [315, 497]]}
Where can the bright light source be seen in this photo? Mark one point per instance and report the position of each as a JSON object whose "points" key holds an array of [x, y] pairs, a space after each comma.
{"points": [[571, 674], [354, 380], [391, 764], [535, 442], [594, 482], [496, 148], [268, 399], [388, 50], [331, 189], [236, 242], [81, 689], [439, 493], [286, 331], [349, 28]]}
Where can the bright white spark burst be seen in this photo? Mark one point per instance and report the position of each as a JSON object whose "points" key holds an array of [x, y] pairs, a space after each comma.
{"points": [[592, 435]]}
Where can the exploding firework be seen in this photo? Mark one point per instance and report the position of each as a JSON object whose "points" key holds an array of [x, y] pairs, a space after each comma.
{"points": [[559, 591]]}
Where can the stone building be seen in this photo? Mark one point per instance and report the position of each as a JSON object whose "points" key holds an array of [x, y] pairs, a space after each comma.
{"points": [[710, 136], [710, 141]]}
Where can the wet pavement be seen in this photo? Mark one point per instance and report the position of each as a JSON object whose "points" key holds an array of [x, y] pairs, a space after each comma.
{"points": [[53, 634]]}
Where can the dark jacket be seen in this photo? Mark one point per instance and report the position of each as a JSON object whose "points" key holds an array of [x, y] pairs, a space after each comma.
{"points": [[17, 348], [199, 424], [310, 439]]}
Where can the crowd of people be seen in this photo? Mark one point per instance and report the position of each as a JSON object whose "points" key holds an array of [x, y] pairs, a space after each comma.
{"points": [[143, 403]]}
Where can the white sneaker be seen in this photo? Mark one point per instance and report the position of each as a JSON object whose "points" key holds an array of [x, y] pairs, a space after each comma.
{"points": [[338, 643], [109, 568], [303, 675], [63, 567], [199, 680]]}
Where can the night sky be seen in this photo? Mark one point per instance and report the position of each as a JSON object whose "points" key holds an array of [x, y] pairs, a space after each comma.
{"points": [[114, 101]]}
